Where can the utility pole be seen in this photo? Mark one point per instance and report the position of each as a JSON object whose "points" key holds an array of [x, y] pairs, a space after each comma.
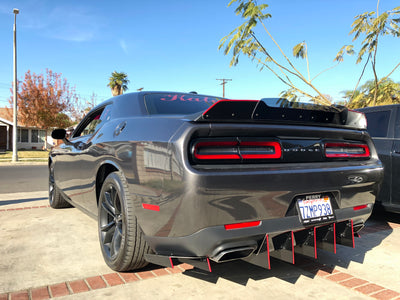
{"points": [[224, 81], [15, 87]]}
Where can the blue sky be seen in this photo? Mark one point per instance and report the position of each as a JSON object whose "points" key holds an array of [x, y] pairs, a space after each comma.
{"points": [[173, 45]]}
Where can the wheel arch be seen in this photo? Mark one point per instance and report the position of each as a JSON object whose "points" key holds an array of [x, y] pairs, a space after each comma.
{"points": [[105, 169]]}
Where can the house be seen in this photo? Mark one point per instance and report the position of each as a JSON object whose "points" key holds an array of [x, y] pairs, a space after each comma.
{"points": [[28, 137], [5, 134]]}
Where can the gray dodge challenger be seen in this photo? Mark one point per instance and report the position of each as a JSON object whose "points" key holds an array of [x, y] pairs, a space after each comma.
{"points": [[180, 177]]}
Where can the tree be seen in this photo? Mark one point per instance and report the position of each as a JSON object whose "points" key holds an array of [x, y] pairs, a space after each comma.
{"points": [[243, 40], [83, 107], [372, 26], [388, 92], [44, 101], [118, 82]]}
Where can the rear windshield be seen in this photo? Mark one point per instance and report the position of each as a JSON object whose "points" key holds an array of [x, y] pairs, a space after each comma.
{"points": [[177, 104]]}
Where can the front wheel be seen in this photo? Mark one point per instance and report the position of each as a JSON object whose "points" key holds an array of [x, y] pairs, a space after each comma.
{"points": [[121, 239]]}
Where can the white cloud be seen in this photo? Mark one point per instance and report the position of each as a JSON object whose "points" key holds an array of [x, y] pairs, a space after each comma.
{"points": [[68, 22], [124, 46], [72, 24]]}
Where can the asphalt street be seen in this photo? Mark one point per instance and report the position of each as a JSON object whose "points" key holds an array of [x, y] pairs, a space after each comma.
{"points": [[16, 178]]}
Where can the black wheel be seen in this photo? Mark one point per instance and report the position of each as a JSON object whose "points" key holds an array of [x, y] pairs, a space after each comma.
{"points": [[56, 200], [121, 239]]}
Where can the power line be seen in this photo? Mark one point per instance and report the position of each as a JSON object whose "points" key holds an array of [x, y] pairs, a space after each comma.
{"points": [[224, 81]]}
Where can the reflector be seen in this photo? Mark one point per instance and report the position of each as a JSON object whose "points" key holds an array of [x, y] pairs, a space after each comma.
{"points": [[242, 225], [360, 207]]}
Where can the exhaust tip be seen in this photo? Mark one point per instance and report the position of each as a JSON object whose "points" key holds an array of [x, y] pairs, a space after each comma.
{"points": [[233, 254]]}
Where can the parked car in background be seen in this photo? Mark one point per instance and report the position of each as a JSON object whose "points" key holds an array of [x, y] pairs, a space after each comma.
{"points": [[384, 128], [174, 177]]}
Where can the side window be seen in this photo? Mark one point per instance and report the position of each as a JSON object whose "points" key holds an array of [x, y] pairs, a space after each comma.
{"points": [[90, 128], [91, 123], [378, 123]]}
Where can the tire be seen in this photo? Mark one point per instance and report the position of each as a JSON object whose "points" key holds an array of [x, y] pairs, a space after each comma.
{"points": [[56, 199], [121, 239]]}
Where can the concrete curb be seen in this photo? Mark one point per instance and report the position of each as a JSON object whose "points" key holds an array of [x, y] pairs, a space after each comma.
{"points": [[91, 283]]}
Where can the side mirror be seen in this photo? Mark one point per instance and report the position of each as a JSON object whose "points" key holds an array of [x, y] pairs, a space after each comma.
{"points": [[59, 134]]}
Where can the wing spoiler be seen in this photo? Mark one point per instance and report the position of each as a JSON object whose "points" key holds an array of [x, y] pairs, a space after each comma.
{"points": [[258, 111]]}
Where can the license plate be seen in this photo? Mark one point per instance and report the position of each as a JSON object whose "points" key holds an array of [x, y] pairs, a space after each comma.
{"points": [[315, 209]]}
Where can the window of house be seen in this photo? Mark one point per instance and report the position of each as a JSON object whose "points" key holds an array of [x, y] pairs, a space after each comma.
{"points": [[34, 136], [23, 135], [42, 135], [38, 136]]}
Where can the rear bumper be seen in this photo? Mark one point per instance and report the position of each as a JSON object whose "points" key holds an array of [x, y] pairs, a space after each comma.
{"points": [[212, 241], [203, 199]]}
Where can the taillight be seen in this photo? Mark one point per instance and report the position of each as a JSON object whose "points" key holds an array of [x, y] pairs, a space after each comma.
{"points": [[346, 150], [235, 150], [216, 150], [260, 150]]}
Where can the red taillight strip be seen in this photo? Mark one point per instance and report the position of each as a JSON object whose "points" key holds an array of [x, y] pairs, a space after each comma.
{"points": [[209, 265], [359, 207], [277, 150], [348, 146], [215, 144], [151, 207], [315, 243], [268, 256], [242, 225], [277, 153], [334, 237], [352, 233]]}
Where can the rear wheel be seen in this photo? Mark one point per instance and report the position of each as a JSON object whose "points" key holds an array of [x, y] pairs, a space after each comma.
{"points": [[121, 239], [56, 199]]}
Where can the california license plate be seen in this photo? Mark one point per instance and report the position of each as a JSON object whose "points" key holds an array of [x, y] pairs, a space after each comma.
{"points": [[315, 209]]}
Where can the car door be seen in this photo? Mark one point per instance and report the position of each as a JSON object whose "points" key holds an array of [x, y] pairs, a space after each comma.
{"points": [[380, 128], [71, 161], [395, 195], [84, 136]]}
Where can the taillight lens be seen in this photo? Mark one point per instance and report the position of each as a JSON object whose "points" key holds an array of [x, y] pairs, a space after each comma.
{"points": [[260, 150], [216, 150], [235, 150], [346, 150]]}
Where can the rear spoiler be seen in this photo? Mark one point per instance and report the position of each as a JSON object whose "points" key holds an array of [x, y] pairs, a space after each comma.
{"points": [[257, 111]]}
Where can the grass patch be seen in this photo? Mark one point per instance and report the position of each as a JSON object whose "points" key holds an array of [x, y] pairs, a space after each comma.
{"points": [[31, 154]]}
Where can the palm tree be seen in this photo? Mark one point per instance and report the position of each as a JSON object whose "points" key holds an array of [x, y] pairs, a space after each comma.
{"points": [[388, 93], [118, 82]]}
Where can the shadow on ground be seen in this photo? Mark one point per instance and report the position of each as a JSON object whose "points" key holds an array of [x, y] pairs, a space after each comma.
{"points": [[18, 201], [241, 272]]}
